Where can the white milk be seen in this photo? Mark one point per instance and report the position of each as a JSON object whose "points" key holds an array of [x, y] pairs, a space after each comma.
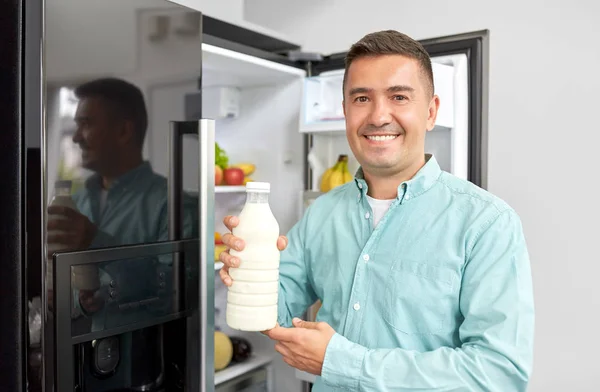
{"points": [[252, 298], [83, 277]]}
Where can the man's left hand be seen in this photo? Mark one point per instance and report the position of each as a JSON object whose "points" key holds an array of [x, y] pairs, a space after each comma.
{"points": [[303, 347]]}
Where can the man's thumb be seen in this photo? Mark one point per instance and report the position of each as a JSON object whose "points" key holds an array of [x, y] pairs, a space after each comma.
{"points": [[303, 324]]}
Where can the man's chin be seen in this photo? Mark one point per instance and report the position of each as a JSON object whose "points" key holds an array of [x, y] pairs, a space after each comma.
{"points": [[88, 164]]}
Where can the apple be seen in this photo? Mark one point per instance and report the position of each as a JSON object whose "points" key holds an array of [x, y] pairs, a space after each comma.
{"points": [[233, 176], [218, 175]]}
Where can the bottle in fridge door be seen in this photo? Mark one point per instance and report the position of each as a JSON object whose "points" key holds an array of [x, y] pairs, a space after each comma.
{"points": [[252, 298]]}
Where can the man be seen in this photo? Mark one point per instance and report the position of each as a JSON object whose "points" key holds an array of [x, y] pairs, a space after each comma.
{"points": [[123, 203], [424, 278]]}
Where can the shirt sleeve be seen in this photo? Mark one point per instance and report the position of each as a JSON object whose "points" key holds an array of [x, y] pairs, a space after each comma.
{"points": [[296, 293], [496, 334]]}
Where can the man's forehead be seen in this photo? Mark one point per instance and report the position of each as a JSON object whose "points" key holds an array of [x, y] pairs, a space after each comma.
{"points": [[384, 72], [388, 64]]}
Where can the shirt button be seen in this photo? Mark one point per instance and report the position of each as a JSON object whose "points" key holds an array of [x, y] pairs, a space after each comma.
{"points": [[367, 215], [360, 185], [356, 306], [407, 196], [366, 257]]}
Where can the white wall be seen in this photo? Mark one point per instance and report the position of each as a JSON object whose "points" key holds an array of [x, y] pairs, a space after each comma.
{"points": [[543, 139]]}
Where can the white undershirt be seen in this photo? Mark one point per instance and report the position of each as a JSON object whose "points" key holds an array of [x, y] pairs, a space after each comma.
{"points": [[379, 207]]}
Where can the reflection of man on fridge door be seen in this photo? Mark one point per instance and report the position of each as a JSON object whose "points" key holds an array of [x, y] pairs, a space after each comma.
{"points": [[424, 278], [123, 203]]}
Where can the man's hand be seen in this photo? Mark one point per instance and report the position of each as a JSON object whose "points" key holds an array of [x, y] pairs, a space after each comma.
{"points": [[235, 243], [77, 232], [303, 347], [89, 301]]}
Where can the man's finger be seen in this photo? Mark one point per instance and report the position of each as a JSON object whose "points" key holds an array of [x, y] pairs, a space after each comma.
{"points": [[60, 224], [282, 334], [228, 259], [230, 222], [62, 210], [298, 323], [283, 349], [282, 242], [233, 242], [225, 278]]}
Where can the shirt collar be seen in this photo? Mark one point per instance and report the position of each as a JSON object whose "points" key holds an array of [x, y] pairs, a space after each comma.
{"points": [[425, 178], [141, 172]]}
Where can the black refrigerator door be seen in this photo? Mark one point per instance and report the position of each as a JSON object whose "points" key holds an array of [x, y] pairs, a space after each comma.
{"points": [[475, 46], [12, 331]]}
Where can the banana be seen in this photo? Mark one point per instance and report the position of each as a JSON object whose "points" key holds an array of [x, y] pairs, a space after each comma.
{"points": [[336, 175], [247, 168], [325, 179], [347, 176]]}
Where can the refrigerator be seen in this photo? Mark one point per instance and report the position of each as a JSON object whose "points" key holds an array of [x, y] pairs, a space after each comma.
{"points": [[204, 82]]}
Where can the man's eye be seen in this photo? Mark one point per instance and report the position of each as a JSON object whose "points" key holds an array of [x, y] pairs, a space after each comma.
{"points": [[400, 97], [361, 99]]}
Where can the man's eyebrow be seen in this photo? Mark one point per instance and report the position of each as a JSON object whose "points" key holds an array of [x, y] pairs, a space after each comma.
{"points": [[391, 89], [360, 90], [400, 88]]}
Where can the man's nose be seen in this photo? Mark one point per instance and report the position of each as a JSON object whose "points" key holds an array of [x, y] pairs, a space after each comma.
{"points": [[77, 136], [380, 114]]}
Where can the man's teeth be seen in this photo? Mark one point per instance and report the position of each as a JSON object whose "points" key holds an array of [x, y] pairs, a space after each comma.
{"points": [[382, 138]]}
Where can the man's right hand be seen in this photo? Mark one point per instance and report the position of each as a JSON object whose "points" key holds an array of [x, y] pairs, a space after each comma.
{"points": [[235, 243]]}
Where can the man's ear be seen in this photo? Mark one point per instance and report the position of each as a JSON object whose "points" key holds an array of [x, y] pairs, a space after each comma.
{"points": [[434, 106], [127, 132]]}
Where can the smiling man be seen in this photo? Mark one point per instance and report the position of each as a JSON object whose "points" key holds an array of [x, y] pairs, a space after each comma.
{"points": [[424, 278]]}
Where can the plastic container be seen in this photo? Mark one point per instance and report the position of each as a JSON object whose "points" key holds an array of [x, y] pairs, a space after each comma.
{"points": [[252, 298]]}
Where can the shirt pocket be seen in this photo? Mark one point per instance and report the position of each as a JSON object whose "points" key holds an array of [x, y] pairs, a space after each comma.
{"points": [[419, 297]]}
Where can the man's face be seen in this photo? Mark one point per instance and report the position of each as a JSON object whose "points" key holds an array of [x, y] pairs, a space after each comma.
{"points": [[97, 133], [388, 109]]}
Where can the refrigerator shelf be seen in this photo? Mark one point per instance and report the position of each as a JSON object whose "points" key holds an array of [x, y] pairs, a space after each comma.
{"points": [[232, 371], [230, 189]]}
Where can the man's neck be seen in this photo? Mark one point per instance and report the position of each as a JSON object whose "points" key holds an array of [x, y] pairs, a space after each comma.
{"points": [[125, 167], [385, 186]]}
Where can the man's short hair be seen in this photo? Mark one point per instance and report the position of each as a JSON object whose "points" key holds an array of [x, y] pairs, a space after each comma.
{"points": [[125, 100], [391, 42]]}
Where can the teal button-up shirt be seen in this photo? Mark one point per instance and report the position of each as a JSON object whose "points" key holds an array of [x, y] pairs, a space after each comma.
{"points": [[135, 212], [438, 297]]}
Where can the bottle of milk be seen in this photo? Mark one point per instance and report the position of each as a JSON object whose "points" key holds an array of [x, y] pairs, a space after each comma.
{"points": [[252, 298], [84, 277]]}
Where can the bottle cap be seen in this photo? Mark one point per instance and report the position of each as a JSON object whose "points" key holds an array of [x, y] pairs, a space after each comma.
{"points": [[255, 186]]}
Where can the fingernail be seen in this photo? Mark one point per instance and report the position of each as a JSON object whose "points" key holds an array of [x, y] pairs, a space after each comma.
{"points": [[238, 244], [235, 262], [296, 320], [228, 281]]}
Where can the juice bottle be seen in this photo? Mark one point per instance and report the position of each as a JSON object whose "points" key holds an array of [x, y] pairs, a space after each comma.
{"points": [[84, 277], [252, 298]]}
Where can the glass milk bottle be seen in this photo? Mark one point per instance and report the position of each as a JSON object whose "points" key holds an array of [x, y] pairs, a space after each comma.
{"points": [[84, 277], [252, 298]]}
